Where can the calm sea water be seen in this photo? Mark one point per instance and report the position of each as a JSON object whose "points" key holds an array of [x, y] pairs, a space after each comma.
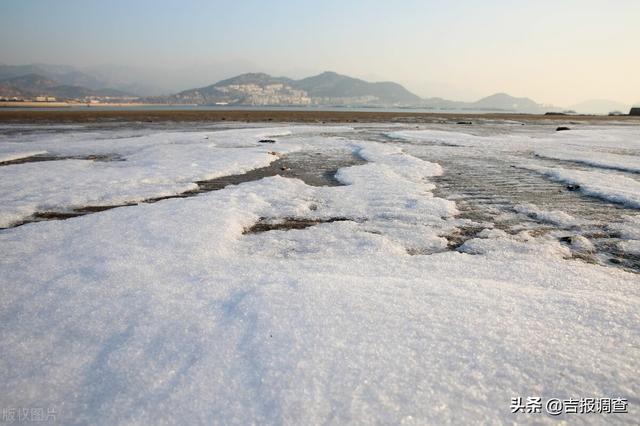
{"points": [[252, 108]]}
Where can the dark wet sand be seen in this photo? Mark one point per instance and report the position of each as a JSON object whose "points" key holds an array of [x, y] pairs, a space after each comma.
{"points": [[90, 116]]}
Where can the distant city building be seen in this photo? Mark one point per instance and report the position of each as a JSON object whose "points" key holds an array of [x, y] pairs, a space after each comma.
{"points": [[270, 94]]}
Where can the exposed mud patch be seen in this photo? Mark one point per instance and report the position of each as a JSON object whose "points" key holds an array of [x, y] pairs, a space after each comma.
{"points": [[289, 223], [43, 157], [313, 168], [460, 235]]}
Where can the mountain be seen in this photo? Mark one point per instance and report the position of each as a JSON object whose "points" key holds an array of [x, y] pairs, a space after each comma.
{"points": [[62, 74], [504, 102], [499, 102], [328, 88], [332, 89], [124, 79], [258, 78], [142, 81], [33, 85], [30, 83], [330, 85], [599, 106]]}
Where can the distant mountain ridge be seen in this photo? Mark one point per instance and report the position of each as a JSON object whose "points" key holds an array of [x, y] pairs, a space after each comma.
{"points": [[499, 102], [62, 74], [333, 89], [599, 106], [34, 85], [259, 78], [328, 88], [325, 89], [507, 102], [333, 85]]}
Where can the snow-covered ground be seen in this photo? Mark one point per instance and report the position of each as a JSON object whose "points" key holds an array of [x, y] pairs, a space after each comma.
{"points": [[387, 310]]}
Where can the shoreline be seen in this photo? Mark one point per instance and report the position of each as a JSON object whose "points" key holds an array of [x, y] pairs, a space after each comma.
{"points": [[292, 116], [63, 104]]}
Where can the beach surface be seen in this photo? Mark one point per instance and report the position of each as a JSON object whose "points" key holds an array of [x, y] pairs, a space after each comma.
{"points": [[399, 269], [301, 116]]}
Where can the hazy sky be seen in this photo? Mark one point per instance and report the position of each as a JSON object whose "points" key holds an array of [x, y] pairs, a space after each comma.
{"points": [[558, 52]]}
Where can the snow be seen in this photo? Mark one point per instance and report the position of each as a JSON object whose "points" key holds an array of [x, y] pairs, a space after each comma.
{"points": [[632, 246], [629, 231], [508, 246], [594, 158], [607, 141], [557, 217], [582, 244], [629, 228], [157, 313], [612, 187], [154, 165], [10, 156], [389, 196]]}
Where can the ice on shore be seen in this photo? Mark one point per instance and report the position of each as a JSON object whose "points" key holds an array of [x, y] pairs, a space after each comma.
{"points": [[595, 158], [612, 187], [172, 312], [629, 232], [155, 165], [17, 155], [557, 217], [586, 144]]}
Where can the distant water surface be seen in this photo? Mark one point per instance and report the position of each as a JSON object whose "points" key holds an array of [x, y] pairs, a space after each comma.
{"points": [[255, 108]]}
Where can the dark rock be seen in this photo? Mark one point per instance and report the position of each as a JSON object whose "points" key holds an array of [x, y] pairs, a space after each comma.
{"points": [[562, 128], [555, 113], [635, 111], [572, 187], [465, 122], [267, 141]]}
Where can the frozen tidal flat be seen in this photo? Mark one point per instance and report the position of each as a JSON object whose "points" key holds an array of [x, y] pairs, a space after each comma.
{"points": [[453, 269]]}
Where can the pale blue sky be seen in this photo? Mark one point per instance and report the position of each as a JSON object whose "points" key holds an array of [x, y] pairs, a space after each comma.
{"points": [[558, 52]]}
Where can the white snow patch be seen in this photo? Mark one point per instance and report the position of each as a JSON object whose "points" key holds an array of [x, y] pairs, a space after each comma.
{"points": [[165, 312], [10, 156], [608, 186], [557, 217], [582, 244], [117, 316], [492, 233], [595, 158], [629, 228], [154, 165], [630, 246], [507, 247]]}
